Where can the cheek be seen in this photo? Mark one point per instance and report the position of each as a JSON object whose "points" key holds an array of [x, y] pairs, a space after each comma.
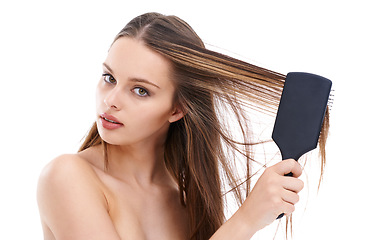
{"points": [[152, 115]]}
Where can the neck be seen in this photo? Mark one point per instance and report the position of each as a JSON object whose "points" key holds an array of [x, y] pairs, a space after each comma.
{"points": [[141, 164]]}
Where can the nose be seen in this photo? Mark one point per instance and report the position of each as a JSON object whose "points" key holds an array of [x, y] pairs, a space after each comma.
{"points": [[112, 99]]}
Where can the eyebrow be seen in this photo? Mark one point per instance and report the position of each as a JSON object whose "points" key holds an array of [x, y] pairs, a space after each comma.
{"points": [[109, 68], [141, 80]]}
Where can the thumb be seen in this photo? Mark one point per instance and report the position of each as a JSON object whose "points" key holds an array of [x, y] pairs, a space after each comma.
{"points": [[289, 166]]}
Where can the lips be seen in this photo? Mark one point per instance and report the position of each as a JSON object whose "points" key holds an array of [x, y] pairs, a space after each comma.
{"points": [[110, 122]]}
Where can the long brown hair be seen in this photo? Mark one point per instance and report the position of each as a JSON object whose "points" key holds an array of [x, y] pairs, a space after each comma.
{"points": [[200, 150]]}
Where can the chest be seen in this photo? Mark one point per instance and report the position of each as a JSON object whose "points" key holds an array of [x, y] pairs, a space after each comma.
{"points": [[146, 215]]}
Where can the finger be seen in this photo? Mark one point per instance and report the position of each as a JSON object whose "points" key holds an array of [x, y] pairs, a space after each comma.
{"points": [[293, 184], [296, 170], [288, 208], [287, 166], [290, 197]]}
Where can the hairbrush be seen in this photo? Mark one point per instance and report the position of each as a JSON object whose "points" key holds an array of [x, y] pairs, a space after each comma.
{"points": [[300, 114]]}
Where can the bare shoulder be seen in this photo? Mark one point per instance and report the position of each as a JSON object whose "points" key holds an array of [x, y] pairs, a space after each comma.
{"points": [[62, 163], [66, 172], [71, 200]]}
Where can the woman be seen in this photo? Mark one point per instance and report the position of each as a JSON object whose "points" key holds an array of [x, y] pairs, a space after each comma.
{"points": [[157, 160]]}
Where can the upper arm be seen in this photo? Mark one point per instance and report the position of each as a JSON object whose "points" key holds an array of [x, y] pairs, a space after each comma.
{"points": [[71, 201]]}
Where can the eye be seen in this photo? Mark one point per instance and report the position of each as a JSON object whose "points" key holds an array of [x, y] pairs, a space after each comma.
{"points": [[109, 78], [141, 91]]}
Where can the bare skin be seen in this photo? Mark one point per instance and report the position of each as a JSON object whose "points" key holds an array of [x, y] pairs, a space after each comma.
{"points": [[137, 198]]}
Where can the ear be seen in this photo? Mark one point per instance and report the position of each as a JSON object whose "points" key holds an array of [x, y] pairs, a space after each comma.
{"points": [[176, 115]]}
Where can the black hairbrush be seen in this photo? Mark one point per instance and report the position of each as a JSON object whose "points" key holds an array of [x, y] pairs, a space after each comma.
{"points": [[300, 114]]}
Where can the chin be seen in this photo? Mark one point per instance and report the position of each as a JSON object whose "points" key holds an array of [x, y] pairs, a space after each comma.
{"points": [[111, 137]]}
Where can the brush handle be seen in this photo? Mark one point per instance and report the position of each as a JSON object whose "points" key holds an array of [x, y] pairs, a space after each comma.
{"points": [[282, 214]]}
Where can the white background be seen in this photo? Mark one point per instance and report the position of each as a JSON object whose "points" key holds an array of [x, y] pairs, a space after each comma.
{"points": [[50, 60]]}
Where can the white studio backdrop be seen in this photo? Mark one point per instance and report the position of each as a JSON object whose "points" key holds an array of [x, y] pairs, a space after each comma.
{"points": [[50, 61]]}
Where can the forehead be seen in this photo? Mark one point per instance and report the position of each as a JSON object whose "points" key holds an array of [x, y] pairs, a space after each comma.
{"points": [[130, 58]]}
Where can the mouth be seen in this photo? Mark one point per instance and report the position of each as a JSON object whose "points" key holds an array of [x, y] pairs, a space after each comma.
{"points": [[110, 121]]}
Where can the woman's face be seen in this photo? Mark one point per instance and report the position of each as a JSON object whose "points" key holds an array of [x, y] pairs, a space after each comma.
{"points": [[135, 95]]}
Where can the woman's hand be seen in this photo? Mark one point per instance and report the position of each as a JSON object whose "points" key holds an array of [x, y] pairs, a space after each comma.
{"points": [[272, 195]]}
